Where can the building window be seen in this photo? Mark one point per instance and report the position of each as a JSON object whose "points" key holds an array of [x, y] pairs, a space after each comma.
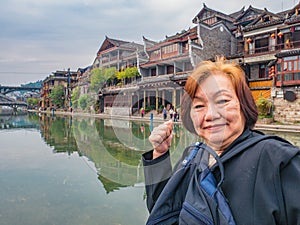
{"points": [[153, 72], [296, 38], [185, 47], [210, 20], [262, 45], [279, 77], [170, 49], [266, 19], [288, 76], [263, 71], [188, 66], [170, 69], [288, 68], [155, 54], [279, 67]]}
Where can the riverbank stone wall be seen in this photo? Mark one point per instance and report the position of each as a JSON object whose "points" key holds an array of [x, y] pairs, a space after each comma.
{"points": [[121, 111], [286, 111]]}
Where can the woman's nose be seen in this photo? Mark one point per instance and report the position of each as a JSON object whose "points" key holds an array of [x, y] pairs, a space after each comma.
{"points": [[212, 112]]}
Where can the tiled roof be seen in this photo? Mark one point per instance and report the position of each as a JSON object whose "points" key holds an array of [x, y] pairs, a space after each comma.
{"points": [[288, 53], [238, 13], [217, 13], [264, 24], [116, 42], [250, 8]]}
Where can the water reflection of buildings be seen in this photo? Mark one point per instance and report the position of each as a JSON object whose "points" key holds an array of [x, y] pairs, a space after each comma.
{"points": [[56, 132], [118, 163], [20, 121], [114, 146]]}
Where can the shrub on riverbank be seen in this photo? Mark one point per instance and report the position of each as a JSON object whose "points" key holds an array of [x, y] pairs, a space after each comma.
{"points": [[264, 107]]}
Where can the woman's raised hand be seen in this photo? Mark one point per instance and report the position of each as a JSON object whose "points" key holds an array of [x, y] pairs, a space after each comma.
{"points": [[161, 138]]}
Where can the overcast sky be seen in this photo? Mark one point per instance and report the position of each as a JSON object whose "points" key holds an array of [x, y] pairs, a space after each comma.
{"points": [[38, 37]]}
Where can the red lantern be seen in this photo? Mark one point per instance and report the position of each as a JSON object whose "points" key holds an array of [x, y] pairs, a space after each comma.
{"points": [[272, 71], [273, 36], [249, 40]]}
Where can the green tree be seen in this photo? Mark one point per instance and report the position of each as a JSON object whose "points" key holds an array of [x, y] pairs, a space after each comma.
{"points": [[110, 73], [97, 79], [82, 101], [85, 101], [75, 96], [101, 76], [131, 72], [264, 107], [57, 96], [121, 74], [32, 102]]}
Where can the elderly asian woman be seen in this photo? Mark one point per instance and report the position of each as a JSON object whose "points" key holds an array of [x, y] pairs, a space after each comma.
{"points": [[261, 182]]}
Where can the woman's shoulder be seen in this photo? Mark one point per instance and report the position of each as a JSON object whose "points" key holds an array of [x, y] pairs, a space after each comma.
{"points": [[269, 141], [259, 145], [276, 149]]}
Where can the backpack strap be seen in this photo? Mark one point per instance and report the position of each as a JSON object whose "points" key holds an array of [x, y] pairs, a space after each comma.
{"points": [[187, 160], [220, 160], [203, 163]]}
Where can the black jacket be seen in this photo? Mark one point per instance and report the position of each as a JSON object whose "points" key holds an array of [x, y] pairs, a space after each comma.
{"points": [[261, 183]]}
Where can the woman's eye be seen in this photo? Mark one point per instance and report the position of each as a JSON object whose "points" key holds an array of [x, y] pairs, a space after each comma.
{"points": [[222, 101], [198, 106]]}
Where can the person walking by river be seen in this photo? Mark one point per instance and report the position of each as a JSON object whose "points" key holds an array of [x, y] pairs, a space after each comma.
{"points": [[164, 111], [175, 115], [171, 112], [142, 110]]}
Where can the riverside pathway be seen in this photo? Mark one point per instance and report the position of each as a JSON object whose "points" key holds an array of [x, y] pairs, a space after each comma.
{"points": [[159, 118]]}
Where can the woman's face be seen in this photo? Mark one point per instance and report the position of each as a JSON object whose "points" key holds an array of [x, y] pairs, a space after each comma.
{"points": [[216, 112]]}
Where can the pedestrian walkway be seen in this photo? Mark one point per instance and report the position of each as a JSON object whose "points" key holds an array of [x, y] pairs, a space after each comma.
{"points": [[159, 119], [281, 128]]}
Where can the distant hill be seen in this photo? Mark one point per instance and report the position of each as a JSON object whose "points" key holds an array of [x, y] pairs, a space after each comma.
{"points": [[37, 84]]}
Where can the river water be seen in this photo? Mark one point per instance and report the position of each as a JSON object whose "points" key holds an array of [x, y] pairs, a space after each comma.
{"points": [[77, 171]]}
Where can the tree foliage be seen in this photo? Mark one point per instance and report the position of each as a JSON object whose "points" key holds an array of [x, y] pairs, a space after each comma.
{"points": [[128, 73], [32, 102], [131, 72], [82, 101], [121, 75], [75, 96], [57, 96], [110, 73], [85, 101], [101, 76], [264, 106]]}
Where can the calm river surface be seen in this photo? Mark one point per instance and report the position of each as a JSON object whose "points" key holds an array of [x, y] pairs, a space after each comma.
{"points": [[77, 171]]}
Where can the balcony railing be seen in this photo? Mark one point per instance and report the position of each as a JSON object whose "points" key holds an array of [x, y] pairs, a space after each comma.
{"points": [[272, 48]]}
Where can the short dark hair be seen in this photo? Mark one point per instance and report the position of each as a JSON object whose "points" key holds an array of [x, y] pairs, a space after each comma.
{"points": [[237, 77]]}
